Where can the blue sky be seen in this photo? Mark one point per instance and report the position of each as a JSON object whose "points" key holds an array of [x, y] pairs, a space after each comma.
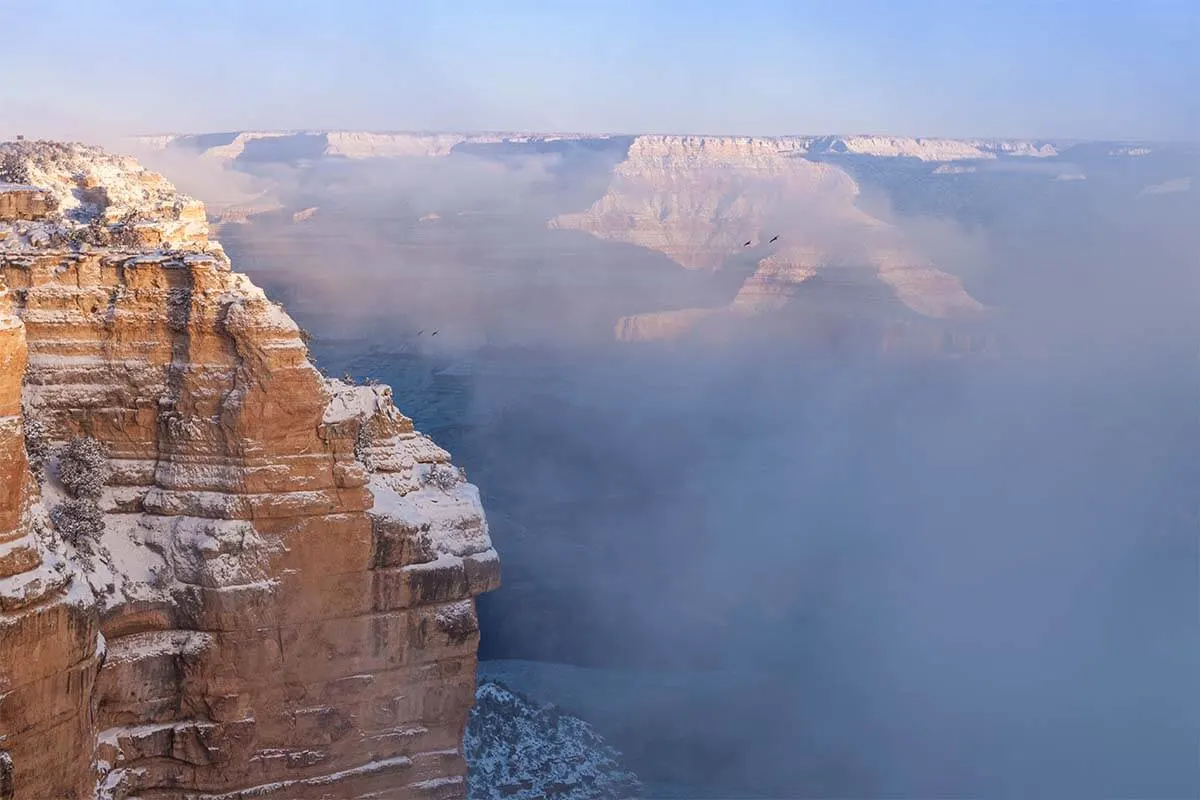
{"points": [[1074, 68]]}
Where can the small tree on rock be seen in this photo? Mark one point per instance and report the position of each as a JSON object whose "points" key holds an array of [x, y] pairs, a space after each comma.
{"points": [[83, 471], [79, 521], [83, 467]]}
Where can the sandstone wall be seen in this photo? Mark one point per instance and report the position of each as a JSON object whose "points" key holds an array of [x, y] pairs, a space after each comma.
{"points": [[281, 603]]}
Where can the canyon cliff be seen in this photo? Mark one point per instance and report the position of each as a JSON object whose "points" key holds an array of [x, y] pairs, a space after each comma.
{"points": [[276, 598], [781, 223]]}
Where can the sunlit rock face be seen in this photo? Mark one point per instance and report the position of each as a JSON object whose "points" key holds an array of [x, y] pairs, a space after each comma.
{"points": [[280, 602], [697, 199], [762, 207]]}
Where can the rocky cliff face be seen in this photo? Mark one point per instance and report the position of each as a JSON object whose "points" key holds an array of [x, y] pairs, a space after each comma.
{"points": [[697, 199], [278, 601], [763, 207]]}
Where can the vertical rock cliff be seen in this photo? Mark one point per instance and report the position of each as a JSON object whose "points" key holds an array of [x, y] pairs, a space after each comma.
{"points": [[278, 599]]}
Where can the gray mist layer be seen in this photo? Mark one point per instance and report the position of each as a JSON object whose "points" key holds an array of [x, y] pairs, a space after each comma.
{"points": [[763, 570]]}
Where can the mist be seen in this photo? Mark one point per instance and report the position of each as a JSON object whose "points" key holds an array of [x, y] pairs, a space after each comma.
{"points": [[763, 569]]}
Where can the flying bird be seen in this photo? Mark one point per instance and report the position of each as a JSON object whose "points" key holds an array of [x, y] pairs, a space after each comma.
{"points": [[773, 238], [420, 331], [433, 334], [747, 244]]}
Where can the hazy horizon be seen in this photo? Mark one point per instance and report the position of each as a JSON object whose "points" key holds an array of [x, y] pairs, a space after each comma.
{"points": [[623, 133]]}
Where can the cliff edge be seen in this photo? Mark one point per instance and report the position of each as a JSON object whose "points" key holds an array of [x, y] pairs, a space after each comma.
{"points": [[222, 575]]}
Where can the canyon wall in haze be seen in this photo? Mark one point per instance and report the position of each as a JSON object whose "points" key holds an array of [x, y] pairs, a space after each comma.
{"points": [[777, 221], [270, 590]]}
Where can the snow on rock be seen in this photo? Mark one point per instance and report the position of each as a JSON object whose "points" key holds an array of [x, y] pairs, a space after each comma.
{"points": [[90, 198], [232, 546], [391, 145], [348, 401], [1131, 150], [518, 749], [931, 149], [450, 517]]}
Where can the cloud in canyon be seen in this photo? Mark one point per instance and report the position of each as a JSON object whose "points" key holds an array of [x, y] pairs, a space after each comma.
{"points": [[965, 579]]}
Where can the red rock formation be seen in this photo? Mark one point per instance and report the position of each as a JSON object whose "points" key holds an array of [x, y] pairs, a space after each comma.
{"points": [[281, 602]]}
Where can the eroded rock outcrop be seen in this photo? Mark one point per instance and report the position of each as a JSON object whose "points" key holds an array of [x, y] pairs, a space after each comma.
{"points": [[281, 601], [761, 207], [697, 199]]}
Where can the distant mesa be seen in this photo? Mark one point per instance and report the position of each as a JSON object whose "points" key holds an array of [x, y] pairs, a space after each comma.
{"points": [[1130, 150], [926, 149], [293, 146], [701, 201]]}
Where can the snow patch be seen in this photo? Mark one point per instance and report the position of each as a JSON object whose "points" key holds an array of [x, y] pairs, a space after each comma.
{"points": [[347, 401], [453, 519]]}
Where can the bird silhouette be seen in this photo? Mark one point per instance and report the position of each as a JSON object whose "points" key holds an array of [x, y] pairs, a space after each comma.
{"points": [[433, 334], [747, 244], [773, 238], [420, 331]]}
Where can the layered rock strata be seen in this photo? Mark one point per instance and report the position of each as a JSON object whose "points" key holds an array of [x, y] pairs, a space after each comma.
{"points": [[281, 602], [759, 207]]}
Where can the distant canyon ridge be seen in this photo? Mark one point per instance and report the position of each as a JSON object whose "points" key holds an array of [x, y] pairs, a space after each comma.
{"points": [[780, 222]]}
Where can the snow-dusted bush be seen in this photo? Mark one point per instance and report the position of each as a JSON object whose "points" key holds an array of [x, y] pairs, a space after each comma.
{"points": [[79, 521], [83, 467], [37, 447], [13, 169], [444, 476]]}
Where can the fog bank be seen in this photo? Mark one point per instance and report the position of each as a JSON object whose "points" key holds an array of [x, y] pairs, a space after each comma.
{"points": [[936, 579]]}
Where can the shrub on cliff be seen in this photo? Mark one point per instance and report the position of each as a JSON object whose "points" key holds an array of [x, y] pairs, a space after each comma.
{"points": [[443, 476], [37, 448], [83, 470], [79, 521], [83, 467], [13, 169]]}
